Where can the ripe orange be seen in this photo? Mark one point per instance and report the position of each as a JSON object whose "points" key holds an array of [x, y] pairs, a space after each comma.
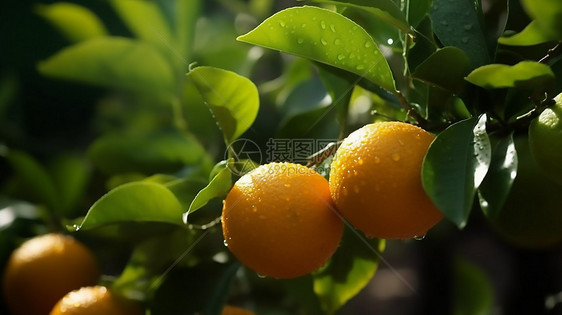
{"points": [[279, 220], [45, 268], [234, 310], [95, 300], [375, 181]]}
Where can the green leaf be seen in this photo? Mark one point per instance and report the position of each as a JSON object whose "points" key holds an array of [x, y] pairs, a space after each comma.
{"points": [[455, 166], [472, 291], [451, 58], [532, 34], [348, 272], [385, 10], [113, 62], [152, 153], [66, 16], [35, 178], [324, 36], [232, 98], [457, 23], [185, 189], [145, 20], [186, 16], [340, 86], [307, 112], [547, 13], [418, 10], [134, 202], [219, 186], [526, 74], [495, 188], [71, 176]]}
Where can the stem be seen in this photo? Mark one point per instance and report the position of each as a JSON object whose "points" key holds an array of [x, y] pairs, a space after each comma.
{"points": [[552, 52], [410, 110]]}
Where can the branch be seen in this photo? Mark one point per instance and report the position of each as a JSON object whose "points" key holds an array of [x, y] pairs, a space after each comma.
{"points": [[552, 52]]}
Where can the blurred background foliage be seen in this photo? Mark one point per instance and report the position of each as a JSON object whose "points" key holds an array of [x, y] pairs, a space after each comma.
{"points": [[64, 144]]}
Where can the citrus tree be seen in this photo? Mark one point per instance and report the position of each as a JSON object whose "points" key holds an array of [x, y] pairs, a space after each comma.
{"points": [[265, 153]]}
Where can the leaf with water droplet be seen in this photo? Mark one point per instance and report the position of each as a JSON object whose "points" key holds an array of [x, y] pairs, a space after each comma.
{"points": [[526, 74], [455, 166], [384, 10], [335, 43], [495, 188], [448, 24]]}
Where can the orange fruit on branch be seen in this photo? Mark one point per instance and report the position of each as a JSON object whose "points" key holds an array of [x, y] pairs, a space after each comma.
{"points": [[375, 181], [279, 220], [45, 268], [95, 300]]}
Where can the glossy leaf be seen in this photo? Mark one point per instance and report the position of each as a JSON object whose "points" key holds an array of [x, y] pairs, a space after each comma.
{"points": [[451, 58], [66, 16], [473, 293], [134, 202], [185, 189], [547, 13], [218, 187], [533, 34], [496, 186], [232, 98], [456, 23], [348, 272], [112, 62], [526, 74], [455, 166], [153, 153], [145, 20], [324, 36], [385, 10]]}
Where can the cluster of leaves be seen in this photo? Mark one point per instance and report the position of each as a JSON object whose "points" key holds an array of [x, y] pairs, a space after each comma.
{"points": [[421, 61]]}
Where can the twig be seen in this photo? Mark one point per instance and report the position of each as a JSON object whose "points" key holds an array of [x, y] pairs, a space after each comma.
{"points": [[552, 52]]}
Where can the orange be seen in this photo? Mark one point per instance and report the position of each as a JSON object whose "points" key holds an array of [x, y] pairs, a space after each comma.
{"points": [[545, 138], [532, 214], [375, 181], [96, 300], [45, 268], [234, 310], [279, 220]]}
